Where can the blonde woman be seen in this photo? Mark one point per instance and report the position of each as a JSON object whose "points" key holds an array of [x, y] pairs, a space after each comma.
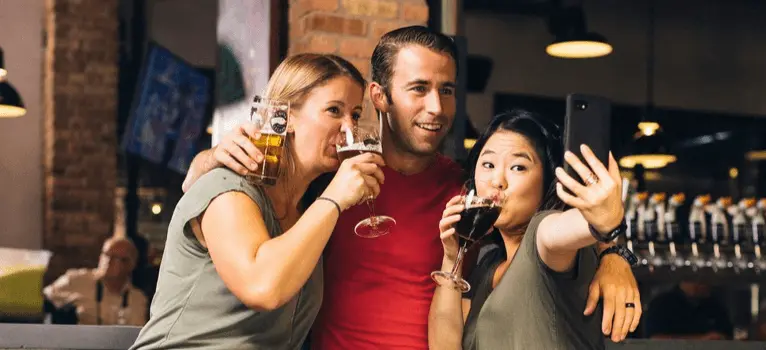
{"points": [[242, 265]]}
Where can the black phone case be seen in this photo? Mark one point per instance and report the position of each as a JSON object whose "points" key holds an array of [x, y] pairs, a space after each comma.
{"points": [[587, 121]]}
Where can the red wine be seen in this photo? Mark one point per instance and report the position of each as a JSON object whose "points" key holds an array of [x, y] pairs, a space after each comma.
{"points": [[475, 223], [355, 150]]}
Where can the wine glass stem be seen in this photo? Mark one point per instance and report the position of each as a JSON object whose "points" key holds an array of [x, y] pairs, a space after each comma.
{"points": [[373, 217], [459, 260]]}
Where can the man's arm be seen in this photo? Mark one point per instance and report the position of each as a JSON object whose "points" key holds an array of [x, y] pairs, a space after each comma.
{"points": [[235, 152], [64, 290], [615, 283], [201, 164]]}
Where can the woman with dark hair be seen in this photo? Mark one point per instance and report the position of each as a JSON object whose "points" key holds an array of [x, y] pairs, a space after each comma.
{"points": [[530, 292]]}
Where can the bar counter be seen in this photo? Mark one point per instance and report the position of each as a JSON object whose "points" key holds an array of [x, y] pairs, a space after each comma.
{"points": [[61, 337]]}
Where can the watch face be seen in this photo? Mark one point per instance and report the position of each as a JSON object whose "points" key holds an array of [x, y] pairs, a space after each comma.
{"points": [[628, 255]]}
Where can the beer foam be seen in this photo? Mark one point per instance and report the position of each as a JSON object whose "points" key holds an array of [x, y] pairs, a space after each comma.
{"points": [[361, 147]]}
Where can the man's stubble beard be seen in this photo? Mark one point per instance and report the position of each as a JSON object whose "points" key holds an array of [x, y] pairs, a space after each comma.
{"points": [[404, 145]]}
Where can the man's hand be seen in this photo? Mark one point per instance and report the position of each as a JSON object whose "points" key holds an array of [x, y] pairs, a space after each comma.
{"points": [[614, 282], [235, 151]]}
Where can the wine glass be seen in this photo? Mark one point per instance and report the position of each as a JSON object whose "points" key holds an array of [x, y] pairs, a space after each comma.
{"points": [[356, 141], [477, 221]]}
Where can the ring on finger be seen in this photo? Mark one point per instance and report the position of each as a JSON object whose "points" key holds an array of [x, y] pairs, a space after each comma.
{"points": [[630, 305], [592, 179]]}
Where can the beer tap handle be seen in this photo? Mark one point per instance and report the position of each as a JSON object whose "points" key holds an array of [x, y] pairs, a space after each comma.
{"points": [[659, 205], [641, 212], [739, 215], [697, 224], [631, 218], [758, 222], [650, 220], [671, 230], [720, 221]]}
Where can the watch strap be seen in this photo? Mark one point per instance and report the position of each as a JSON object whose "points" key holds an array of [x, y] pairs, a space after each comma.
{"points": [[609, 236], [622, 251]]}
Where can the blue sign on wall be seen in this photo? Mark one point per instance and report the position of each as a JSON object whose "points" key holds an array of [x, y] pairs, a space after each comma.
{"points": [[167, 118]]}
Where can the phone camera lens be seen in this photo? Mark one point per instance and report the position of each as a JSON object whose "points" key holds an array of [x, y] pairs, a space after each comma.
{"points": [[581, 105]]}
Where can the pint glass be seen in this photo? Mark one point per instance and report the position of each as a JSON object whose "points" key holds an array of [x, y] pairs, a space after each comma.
{"points": [[270, 117]]}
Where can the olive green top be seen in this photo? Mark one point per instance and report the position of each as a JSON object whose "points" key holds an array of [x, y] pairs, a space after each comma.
{"points": [[532, 306], [193, 308]]}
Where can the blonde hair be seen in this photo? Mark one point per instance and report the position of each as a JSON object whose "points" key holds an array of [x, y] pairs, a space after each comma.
{"points": [[297, 76]]}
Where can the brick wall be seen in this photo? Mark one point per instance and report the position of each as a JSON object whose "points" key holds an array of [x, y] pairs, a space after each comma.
{"points": [[349, 28], [80, 119]]}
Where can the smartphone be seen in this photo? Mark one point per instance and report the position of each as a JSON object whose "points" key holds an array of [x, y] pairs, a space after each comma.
{"points": [[587, 121]]}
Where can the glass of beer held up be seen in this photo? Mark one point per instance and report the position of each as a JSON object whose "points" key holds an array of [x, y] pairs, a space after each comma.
{"points": [[270, 117], [356, 141]]}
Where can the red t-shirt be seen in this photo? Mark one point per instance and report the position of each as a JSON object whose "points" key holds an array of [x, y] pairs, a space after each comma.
{"points": [[378, 291]]}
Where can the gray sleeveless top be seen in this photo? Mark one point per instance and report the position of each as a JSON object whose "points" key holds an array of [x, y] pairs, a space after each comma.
{"points": [[192, 307], [532, 307]]}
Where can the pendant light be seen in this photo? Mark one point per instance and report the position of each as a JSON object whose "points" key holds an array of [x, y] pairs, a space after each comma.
{"points": [[471, 135], [649, 147], [11, 105], [572, 39]]}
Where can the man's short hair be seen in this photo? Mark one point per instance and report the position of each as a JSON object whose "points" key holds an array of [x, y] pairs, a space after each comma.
{"points": [[384, 55]]}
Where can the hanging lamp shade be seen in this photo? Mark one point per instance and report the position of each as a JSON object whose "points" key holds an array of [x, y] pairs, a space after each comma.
{"points": [[11, 105], [649, 125], [651, 151], [571, 36], [649, 147], [648, 128], [579, 45], [471, 135], [3, 72]]}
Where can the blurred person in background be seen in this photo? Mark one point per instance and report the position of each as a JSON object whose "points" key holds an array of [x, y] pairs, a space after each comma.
{"points": [[688, 311], [758, 330], [104, 295]]}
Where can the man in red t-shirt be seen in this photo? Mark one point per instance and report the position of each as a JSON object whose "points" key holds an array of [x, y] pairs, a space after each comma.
{"points": [[378, 291]]}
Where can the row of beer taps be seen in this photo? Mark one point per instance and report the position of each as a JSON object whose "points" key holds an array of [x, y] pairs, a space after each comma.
{"points": [[718, 234]]}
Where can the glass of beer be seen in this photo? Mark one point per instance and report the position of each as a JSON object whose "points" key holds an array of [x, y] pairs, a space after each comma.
{"points": [[356, 141], [270, 117], [476, 223]]}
